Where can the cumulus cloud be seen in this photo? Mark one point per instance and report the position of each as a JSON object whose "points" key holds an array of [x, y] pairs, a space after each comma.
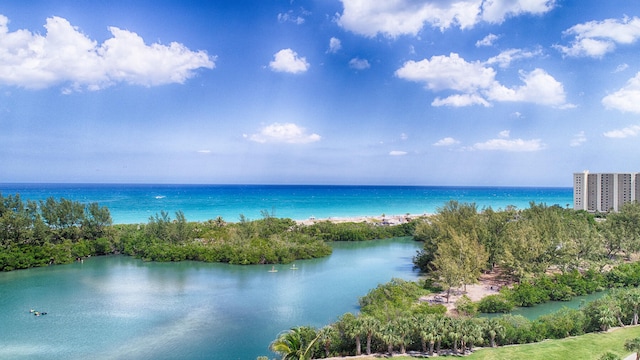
{"points": [[408, 17], [448, 72], [66, 56], [287, 60], [626, 99], [578, 139], [478, 85], [487, 40], [505, 58], [359, 64], [334, 45], [631, 131], [539, 88], [597, 38], [448, 141], [397, 153], [283, 133]]}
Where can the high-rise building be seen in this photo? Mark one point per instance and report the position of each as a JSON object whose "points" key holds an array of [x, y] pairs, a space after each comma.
{"points": [[604, 192]]}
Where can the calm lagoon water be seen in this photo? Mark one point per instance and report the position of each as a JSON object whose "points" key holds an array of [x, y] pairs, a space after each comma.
{"points": [[550, 307], [117, 307]]}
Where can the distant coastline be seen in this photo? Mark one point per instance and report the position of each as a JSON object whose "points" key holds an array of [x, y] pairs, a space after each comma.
{"points": [[135, 203]]}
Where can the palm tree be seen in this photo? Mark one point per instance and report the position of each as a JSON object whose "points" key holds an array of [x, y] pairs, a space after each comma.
{"points": [[442, 327], [389, 336], [426, 328], [471, 333], [455, 333], [325, 337], [633, 345], [606, 317], [352, 328], [370, 327], [295, 344], [494, 329], [404, 327]]}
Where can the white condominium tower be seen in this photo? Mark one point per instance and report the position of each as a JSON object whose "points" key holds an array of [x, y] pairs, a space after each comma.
{"points": [[604, 192]]}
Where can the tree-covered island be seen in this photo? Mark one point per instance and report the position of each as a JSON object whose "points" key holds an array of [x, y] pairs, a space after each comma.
{"points": [[40, 233]]}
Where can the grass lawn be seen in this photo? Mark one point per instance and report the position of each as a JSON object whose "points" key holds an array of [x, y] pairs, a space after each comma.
{"points": [[585, 347], [589, 346]]}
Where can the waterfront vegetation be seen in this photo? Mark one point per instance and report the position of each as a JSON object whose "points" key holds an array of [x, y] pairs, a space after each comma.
{"points": [[61, 231], [543, 253]]}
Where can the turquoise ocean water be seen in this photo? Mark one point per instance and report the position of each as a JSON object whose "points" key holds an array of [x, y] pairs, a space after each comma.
{"points": [[136, 203]]}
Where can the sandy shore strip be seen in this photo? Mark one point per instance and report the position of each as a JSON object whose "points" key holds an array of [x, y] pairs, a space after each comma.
{"points": [[381, 219]]}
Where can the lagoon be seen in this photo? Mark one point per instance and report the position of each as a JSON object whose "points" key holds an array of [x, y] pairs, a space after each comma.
{"points": [[117, 307]]}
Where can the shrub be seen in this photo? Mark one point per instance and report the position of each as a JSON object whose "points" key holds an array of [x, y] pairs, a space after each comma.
{"points": [[495, 304]]}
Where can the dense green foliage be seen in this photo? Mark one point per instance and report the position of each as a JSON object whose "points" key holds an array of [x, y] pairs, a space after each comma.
{"points": [[350, 231], [460, 242], [59, 232], [392, 320], [50, 232], [552, 253]]}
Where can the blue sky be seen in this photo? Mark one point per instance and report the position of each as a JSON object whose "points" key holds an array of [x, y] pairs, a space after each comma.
{"points": [[465, 92]]}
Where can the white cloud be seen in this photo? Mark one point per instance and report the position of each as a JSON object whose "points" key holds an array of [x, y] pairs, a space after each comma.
{"points": [[578, 139], [504, 143], [287, 60], [448, 141], [505, 58], [290, 17], [459, 100], [627, 98], [510, 145], [397, 153], [404, 136], [448, 72], [621, 68], [407, 17], [66, 56], [478, 85], [334, 45], [283, 133], [496, 11], [487, 40], [204, 151], [631, 131], [539, 88], [597, 38], [359, 64]]}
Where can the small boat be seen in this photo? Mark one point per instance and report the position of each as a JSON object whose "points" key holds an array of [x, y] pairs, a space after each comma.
{"points": [[273, 269], [293, 267]]}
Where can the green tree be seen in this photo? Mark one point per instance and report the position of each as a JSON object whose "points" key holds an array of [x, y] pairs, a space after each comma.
{"points": [[326, 336], [370, 327], [459, 261], [295, 344], [633, 345], [494, 329]]}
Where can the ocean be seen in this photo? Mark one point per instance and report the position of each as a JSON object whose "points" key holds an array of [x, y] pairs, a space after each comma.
{"points": [[135, 203]]}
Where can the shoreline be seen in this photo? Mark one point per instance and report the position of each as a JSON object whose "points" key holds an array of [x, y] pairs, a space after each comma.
{"points": [[381, 219]]}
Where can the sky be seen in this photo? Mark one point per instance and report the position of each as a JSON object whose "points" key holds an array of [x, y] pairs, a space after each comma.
{"points": [[357, 92]]}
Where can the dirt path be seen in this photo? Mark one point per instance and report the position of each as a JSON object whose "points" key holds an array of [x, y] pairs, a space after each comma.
{"points": [[489, 284]]}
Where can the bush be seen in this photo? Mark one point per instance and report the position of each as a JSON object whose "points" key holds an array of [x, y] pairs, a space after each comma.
{"points": [[526, 294], [495, 304]]}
